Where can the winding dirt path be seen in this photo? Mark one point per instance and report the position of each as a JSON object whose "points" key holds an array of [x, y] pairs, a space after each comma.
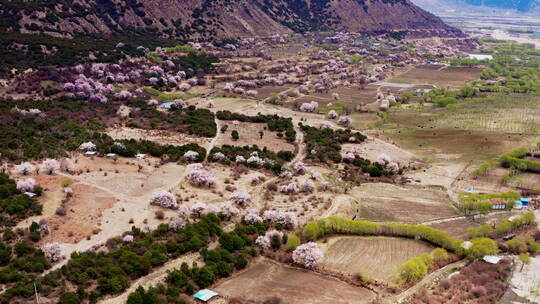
{"points": [[212, 143]]}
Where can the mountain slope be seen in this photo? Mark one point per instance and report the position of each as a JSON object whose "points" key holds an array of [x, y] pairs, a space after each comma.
{"points": [[214, 19]]}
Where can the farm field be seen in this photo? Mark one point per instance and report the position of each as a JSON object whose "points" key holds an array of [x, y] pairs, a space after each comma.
{"points": [[265, 278], [458, 227], [441, 77], [375, 257], [506, 114], [428, 132], [350, 95], [405, 203]]}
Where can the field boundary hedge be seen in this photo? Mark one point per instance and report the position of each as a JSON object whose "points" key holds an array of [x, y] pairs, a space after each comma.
{"points": [[515, 159], [336, 225]]}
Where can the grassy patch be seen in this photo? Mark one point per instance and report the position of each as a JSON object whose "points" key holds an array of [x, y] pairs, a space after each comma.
{"points": [[476, 129], [337, 106], [162, 97]]}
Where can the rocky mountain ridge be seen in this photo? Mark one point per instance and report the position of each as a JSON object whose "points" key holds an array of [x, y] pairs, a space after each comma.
{"points": [[215, 19]]}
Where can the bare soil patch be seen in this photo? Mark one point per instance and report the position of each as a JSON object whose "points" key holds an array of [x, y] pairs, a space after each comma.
{"points": [[406, 203], [376, 257], [372, 148], [249, 135], [265, 278], [228, 180], [266, 91], [83, 216]]}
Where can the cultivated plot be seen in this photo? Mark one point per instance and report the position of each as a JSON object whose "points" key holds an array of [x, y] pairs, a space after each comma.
{"points": [[265, 278], [374, 257]]}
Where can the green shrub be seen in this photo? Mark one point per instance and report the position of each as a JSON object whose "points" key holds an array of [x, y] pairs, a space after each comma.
{"points": [[69, 298], [514, 159], [312, 231], [427, 259], [482, 247], [336, 225], [425, 233], [440, 255], [327, 142], [517, 245], [293, 241], [504, 227], [411, 271], [482, 231]]}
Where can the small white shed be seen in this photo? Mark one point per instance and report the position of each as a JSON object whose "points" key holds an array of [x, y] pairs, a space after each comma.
{"points": [[205, 295]]}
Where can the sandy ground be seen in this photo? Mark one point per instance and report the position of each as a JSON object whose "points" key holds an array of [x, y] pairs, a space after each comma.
{"points": [[163, 137], [376, 257], [225, 185], [105, 201], [526, 283], [504, 35], [51, 198], [265, 278], [83, 211], [372, 148], [441, 174], [83, 218]]}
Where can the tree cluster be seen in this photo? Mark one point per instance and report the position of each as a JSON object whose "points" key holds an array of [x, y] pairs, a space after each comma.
{"points": [[325, 144]]}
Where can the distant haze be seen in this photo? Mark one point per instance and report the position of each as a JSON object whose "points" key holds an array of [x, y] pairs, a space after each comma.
{"points": [[480, 6]]}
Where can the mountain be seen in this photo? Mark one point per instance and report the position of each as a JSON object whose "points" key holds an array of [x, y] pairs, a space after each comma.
{"points": [[214, 19], [479, 6]]}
